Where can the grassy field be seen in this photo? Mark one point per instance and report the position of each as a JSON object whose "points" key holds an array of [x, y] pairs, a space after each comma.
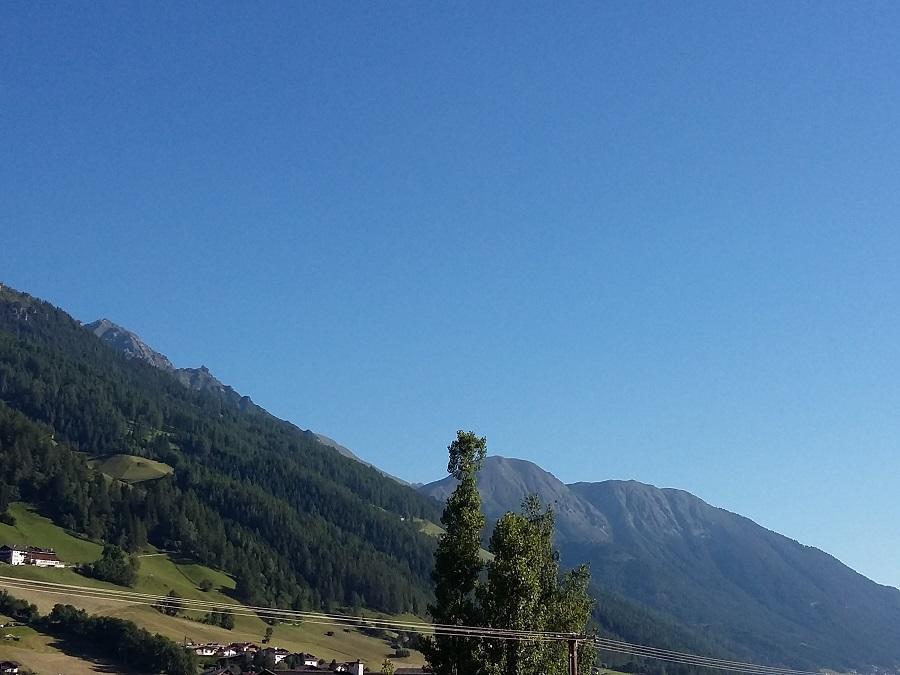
{"points": [[34, 530], [40, 653], [159, 573], [131, 469], [435, 530]]}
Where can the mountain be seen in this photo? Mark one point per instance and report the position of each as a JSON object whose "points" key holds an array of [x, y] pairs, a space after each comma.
{"points": [[347, 452], [296, 523], [198, 379], [504, 483], [753, 591], [129, 344]]}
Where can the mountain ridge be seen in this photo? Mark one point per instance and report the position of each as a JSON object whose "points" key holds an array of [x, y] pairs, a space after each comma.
{"points": [[201, 379], [752, 589], [752, 592], [129, 344]]}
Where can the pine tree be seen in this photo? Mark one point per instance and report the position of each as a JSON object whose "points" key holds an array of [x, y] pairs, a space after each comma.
{"points": [[457, 562]]}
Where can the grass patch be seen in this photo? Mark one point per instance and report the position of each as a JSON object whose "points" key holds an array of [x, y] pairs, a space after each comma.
{"points": [[130, 468], [435, 530], [32, 529]]}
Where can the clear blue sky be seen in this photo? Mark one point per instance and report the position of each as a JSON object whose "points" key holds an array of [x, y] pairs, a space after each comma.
{"points": [[623, 240]]}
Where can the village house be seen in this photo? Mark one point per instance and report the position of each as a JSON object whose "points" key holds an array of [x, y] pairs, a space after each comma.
{"points": [[42, 557], [244, 647], [227, 652], [206, 650], [309, 661], [12, 556], [31, 555], [9, 667], [278, 654]]}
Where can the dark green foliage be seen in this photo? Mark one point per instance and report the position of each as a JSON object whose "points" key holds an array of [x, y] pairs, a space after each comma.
{"points": [[457, 562], [120, 640], [114, 566], [6, 496], [297, 524], [525, 591], [172, 605], [105, 636], [16, 609], [264, 659], [220, 617]]}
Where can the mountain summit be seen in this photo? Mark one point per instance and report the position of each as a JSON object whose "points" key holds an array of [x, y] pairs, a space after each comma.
{"points": [[195, 379], [760, 594], [129, 344]]}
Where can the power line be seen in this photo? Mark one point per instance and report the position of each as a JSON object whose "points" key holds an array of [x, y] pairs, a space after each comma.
{"points": [[346, 620], [133, 597]]}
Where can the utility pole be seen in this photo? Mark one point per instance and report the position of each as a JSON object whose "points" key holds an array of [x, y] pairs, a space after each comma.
{"points": [[573, 655]]}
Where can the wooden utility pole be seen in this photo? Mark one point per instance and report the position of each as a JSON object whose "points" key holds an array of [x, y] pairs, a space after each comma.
{"points": [[573, 656]]}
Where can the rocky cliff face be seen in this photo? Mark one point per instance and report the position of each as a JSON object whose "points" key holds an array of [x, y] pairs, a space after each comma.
{"points": [[196, 379], [129, 344]]}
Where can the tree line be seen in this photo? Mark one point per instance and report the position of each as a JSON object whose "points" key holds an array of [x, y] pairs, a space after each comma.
{"points": [[108, 637]]}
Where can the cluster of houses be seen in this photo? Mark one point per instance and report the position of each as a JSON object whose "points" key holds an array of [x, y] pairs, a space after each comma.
{"points": [[235, 649], [9, 668], [239, 649], [30, 555], [313, 666]]}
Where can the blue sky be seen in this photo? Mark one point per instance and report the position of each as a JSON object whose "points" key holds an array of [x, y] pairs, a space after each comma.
{"points": [[623, 240]]}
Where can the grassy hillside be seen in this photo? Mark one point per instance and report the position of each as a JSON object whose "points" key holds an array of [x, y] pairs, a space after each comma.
{"points": [[159, 573], [131, 469], [32, 529], [39, 653]]}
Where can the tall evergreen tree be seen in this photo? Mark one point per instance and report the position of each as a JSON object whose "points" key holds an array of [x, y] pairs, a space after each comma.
{"points": [[524, 591], [457, 562]]}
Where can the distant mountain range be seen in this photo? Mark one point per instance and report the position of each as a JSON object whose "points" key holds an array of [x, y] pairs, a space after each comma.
{"points": [[718, 573], [669, 569]]}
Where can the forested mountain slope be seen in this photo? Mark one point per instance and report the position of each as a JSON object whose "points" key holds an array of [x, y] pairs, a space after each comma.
{"points": [[298, 524], [755, 592]]}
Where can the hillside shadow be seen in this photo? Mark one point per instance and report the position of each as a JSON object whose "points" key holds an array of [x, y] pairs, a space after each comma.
{"points": [[79, 650]]}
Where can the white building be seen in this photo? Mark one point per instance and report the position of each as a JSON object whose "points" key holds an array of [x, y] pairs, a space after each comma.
{"points": [[206, 650], [12, 555], [31, 555]]}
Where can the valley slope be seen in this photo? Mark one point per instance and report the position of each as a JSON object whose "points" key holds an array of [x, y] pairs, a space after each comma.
{"points": [[296, 523]]}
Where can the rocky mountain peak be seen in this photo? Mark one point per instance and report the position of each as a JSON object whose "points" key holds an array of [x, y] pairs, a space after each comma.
{"points": [[129, 344]]}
